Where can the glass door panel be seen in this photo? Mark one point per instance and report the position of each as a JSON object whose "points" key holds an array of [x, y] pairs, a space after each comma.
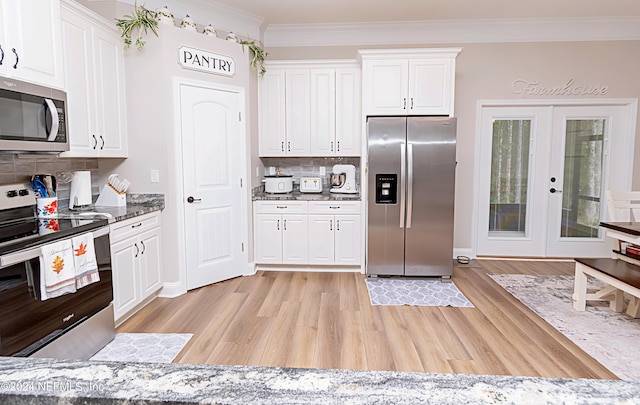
{"points": [[509, 177], [582, 186]]}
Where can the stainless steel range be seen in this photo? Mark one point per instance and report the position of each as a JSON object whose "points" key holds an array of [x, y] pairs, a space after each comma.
{"points": [[70, 326]]}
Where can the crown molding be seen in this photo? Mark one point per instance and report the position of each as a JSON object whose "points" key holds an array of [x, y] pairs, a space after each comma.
{"points": [[454, 32]]}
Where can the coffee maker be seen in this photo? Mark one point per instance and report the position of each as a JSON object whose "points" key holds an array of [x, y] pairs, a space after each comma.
{"points": [[343, 179]]}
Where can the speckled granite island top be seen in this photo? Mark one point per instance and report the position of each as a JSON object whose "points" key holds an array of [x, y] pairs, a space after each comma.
{"points": [[44, 381], [297, 195]]}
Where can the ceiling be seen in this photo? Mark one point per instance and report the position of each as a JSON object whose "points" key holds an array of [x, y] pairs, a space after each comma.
{"points": [[360, 11]]}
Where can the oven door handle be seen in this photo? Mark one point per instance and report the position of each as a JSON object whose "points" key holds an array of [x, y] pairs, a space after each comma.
{"points": [[32, 253]]}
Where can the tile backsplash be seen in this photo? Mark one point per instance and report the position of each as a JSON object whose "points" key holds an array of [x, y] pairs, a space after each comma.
{"points": [[16, 168], [310, 166]]}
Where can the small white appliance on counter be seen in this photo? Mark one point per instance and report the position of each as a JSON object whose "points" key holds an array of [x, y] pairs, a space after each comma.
{"points": [[310, 185], [278, 184], [80, 193], [343, 179]]}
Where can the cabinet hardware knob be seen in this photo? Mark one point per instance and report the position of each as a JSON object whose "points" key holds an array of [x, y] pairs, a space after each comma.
{"points": [[331, 146], [337, 224], [1, 55], [95, 141], [17, 58], [412, 103], [289, 146], [137, 249], [338, 146], [282, 146], [404, 103], [278, 225], [143, 247], [285, 224], [137, 225], [331, 224], [102, 145], [333, 207], [281, 206]]}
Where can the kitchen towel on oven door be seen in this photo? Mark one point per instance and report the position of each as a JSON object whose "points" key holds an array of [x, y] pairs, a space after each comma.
{"points": [[84, 260], [57, 272]]}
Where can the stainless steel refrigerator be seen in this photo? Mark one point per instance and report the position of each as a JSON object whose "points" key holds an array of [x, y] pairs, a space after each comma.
{"points": [[411, 171]]}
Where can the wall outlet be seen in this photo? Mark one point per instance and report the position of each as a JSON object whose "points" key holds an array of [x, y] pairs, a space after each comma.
{"points": [[322, 171], [155, 176], [272, 171]]}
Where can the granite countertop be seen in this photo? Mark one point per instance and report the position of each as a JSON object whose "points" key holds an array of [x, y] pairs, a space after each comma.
{"points": [[297, 195], [47, 381], [137, 204]]}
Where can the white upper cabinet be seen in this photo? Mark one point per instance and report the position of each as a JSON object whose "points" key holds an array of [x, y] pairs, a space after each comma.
{"points": [[94, 70], [30, 41], [310, 109], [409, 82]]}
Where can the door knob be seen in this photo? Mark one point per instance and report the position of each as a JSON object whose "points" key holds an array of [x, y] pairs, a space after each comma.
{"points": [[191, 200], [553, 190]]}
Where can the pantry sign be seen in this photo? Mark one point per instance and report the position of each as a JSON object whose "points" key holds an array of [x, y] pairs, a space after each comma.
{"points": [[207, 62]]}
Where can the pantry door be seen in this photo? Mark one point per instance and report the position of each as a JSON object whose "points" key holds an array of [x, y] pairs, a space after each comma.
{"points": [[213, 169], [543, 173]]}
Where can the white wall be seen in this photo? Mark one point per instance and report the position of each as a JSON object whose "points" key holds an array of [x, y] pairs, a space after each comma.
{"points": [[487, 71], [153, 142]]}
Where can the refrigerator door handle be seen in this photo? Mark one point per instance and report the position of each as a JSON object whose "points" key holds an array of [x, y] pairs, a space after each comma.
{"points": [[409, 183], [403, 165]]}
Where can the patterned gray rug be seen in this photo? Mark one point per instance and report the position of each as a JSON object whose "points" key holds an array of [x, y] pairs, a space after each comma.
{"points": [[143, 347], [609, 337], [418, 292]]}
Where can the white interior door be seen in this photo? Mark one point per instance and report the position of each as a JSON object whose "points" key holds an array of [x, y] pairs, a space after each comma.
{"points": [[213, 168], [543, 173]]}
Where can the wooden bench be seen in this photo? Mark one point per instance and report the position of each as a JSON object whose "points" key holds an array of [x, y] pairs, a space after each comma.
{"points": [[619, 275]]}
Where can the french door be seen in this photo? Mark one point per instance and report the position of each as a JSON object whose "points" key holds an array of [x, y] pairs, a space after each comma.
{"points": [[543, 173]]}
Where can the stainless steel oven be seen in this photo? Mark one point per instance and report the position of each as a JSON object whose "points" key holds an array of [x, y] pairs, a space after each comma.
{"points": [[70, 326], [32, 118]]}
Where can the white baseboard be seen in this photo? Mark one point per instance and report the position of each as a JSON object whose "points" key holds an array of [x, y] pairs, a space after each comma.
{"points": [[463, 252], [172, 290]]}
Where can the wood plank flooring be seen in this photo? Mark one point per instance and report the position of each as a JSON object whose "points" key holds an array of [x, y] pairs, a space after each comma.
{"points": [[325, 320]]}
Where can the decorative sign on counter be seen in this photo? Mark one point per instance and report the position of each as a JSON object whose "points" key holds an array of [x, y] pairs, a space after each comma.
{"points": [[570, 88], [207, 62]]}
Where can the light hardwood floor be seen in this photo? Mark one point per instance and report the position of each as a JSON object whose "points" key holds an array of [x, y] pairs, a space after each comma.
{"points": [[325, 320]]}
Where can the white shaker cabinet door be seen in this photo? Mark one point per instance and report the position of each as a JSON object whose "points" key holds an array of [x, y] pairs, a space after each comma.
{"points": [[323, 114], [386, 87], [150, 262], [111, 125], [126, 292], [30, 37], [298, 112], [430, 87], [348, 112], [272, 136], [321, 239], [268, 238], [295, 239], [347, 239]]}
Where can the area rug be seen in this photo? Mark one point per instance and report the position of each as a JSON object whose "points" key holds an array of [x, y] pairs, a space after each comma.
{"points": [[143, 347], [609, 337], [418, 292]]}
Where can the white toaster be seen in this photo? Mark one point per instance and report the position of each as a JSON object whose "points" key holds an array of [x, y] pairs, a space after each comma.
{"points": [[310, 185]]}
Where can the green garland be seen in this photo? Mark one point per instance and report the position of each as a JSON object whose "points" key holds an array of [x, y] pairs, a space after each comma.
{"points": [[259, 56], [142, 19]]}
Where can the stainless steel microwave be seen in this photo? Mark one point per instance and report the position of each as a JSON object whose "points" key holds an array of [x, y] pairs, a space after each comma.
{"points": [[32, 118]]}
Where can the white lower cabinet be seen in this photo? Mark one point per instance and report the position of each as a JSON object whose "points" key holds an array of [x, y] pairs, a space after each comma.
{"points": [[281, 232], [334, 228], [307, 232], [136, 257]]}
